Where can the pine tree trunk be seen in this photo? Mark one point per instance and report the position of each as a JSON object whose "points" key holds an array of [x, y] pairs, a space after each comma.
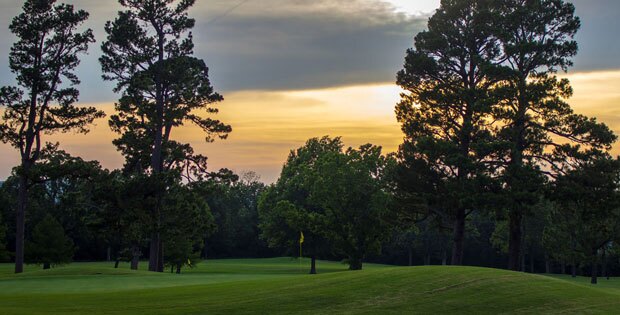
{"points": [[563, 267], [531, 263], [410, 251], [160, 259], [547, 266], [574, 270], [604, 262], [20, 218], [135, 257], [444, 258], [313, 265], [594, 276], [514, 239], [355, 262], [154, 252], [458, 238]]}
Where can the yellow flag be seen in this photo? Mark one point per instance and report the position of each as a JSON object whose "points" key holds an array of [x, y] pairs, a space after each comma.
{"points": [[301, 238]]}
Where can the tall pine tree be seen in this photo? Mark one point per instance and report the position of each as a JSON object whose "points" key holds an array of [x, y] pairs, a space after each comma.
{"points": [[540, 131], [148, 53], [43, 59], [444, 113]]}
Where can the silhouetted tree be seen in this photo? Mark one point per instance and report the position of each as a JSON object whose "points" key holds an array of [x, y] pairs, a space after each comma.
{"points": [[43, 59], [148, 53], [537, 40], [4, 253], [444, 113], [352, 189], [286, 210], [588, 211], [49, 245]]}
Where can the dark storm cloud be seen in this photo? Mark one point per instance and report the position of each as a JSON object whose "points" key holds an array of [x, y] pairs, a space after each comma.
{"points": [[295, 44], [301, 52], [270, 44]]}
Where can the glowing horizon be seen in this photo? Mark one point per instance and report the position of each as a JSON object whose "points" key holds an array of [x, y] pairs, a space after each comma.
{"points": [[268, 124]]}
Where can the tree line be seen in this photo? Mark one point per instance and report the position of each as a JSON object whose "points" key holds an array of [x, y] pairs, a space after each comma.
{"points": [[494, 159]]}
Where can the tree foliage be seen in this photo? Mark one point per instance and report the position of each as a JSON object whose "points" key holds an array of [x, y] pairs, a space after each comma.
{"points": [[49, 245], [148, 52], [338, 199], [43, 59], [444, 113]]}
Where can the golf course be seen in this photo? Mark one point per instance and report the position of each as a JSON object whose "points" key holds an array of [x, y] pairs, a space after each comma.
{"points": [[279, 286]]}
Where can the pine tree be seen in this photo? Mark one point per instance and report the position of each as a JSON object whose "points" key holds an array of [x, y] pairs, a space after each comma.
{"points": [[540, 131], [43, 59], [49, 245], [148, 53], [444, 114]]}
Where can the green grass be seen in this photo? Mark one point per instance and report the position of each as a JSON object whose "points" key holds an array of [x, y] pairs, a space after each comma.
{"points": [[277, 286]]}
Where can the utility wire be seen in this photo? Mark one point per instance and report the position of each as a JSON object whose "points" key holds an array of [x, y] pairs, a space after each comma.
{"points": [[227, 12]]}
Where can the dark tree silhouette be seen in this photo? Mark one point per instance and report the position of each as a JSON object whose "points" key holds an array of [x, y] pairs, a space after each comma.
{"points": [[148, 53], [43, 59], [540, 130], [444, 113], [49, 245]]}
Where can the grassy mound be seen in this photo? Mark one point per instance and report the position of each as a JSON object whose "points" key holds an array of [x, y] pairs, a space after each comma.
{"points": [[278, 286]]}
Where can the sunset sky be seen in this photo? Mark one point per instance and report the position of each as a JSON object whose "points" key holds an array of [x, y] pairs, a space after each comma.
{"points": [[294, 69]]}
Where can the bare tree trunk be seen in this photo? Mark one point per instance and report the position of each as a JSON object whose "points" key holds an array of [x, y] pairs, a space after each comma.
{"points": [[313, 265], [46, 266], [410, 256], [20, 219], [444, 258], [514, 239], [563, 267], [594, 276], [531, 263], [355, 262], [458, 238], [135, 257], [154, 252], [605, 272], [574, 270], [160, 259], [109, 254]]}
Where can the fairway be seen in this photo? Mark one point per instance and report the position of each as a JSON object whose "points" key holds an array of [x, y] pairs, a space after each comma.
{"points": [[278, 286]]}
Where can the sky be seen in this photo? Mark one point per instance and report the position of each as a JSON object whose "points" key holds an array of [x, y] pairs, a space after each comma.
{"points": [[290, 70]]}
